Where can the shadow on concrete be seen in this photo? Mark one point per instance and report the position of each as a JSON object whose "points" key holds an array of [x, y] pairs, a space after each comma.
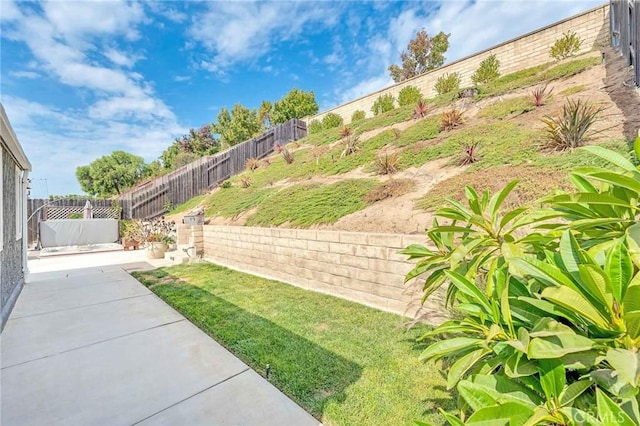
{"points": [[309, 374]]}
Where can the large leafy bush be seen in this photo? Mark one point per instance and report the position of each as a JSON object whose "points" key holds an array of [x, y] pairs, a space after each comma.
{"points": [[549, 302]]}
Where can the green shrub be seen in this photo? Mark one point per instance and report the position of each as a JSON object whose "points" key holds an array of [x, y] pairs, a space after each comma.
{"points": [[565, 46], [549, 324], [315, 126], [358, 115], [448, 83], [383, 104], [409, 95], [332, 120], [489, 70]]}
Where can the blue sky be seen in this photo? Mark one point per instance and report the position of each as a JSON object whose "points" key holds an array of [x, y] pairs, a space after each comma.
{"points": [[82, 79]]}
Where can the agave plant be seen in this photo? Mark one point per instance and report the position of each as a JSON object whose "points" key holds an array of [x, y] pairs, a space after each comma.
{"points": [[551, 326]]}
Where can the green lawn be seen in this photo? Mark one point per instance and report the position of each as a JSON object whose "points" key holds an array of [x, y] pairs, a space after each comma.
{"points": [[345, 363]]}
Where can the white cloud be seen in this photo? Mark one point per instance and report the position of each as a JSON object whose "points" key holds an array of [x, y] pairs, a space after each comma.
{"points": [[247, 30], [25, 74], [181, 78], [119, 108], [119, 58]]}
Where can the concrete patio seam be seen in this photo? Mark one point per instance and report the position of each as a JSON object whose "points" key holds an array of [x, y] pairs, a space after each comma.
{"points": [[78, 307], [191, 396], [94, 343]]}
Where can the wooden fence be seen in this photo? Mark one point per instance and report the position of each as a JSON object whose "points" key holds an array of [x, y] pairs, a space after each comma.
{"points": [[151, 199], [43, 209], [625, 32]]}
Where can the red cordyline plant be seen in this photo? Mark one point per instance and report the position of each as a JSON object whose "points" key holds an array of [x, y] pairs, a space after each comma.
{"points": [[421, 109], [345, 132], [470, 153], [540, 94]]}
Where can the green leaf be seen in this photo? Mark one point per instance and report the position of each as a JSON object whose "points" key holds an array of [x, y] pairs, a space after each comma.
{"points": [[558, 346], [467, 287], [619, 269], [609, 412], [499, 197], [517, 365], [627, 364], [451, 419], [479, 390], [552, 378], [510, 413], [571, 299], [574, 390], [446, 347], [610, 380], [612, 157], [580, 417], [463, 365]]}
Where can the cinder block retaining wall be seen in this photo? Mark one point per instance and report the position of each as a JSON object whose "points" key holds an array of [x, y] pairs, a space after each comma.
{"points": [[362, 267], [526, 51]]}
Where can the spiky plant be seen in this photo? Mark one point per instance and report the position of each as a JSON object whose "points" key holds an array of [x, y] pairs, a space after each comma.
{"points": [[345, 132], [572, 128], [450, 119], [540, 94], [252, 163], [421, 109], [470, 153], [350, 145], [245, 181], [287, 155], [387, 164], [318, 152]]}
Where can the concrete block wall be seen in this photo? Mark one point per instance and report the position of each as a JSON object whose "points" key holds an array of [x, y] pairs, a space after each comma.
{"points": [[362, 267], [526, 51]]}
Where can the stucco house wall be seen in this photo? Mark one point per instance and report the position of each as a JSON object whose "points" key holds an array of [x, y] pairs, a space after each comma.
{"points": [[14, 168]]}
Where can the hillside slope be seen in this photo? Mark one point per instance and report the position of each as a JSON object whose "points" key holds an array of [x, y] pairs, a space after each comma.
{"points": [[323, 189]]}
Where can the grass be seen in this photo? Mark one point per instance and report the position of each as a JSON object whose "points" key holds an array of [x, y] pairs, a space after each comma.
{"points": [[508, 107], [535, 181], [345, 363], [305, 205], [425, 129], [230, 202], [189, 205], [572, 90], [502, 142], [397, 115]]}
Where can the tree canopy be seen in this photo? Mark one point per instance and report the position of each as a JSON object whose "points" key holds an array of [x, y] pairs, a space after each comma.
{"points": [[238, 125], [423, 54], [111, 174], [196, 144], [295, 104]]}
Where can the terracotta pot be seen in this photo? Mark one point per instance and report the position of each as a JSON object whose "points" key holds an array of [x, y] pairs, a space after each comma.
{"points": [[130, 243]]}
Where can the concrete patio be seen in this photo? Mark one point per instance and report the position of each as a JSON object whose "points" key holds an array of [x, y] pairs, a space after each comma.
{"points": [[86, 344]]}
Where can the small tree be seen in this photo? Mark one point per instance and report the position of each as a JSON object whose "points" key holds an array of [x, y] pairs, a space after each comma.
{"points": [[111, 174], [238, 125], [423, 54], [448, 83], [332, 120], [409, 95], [567, 45], [489, 70], [358, 115], [295, 104], [384, 103]]}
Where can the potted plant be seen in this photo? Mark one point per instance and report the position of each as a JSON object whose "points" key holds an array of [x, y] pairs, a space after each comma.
{"points": [[130, 234], [157, 235]]}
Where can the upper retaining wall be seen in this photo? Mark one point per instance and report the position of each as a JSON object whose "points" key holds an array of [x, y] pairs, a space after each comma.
{"points": [[526, 51], [361, 267]]}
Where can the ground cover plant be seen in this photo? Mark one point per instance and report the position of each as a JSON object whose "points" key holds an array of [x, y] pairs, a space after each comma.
{"points": [[549, 329], [343, 362], [508, 107]]}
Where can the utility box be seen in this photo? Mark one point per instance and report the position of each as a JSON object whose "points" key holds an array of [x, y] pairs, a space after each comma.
{"points": [[194, 219]]}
